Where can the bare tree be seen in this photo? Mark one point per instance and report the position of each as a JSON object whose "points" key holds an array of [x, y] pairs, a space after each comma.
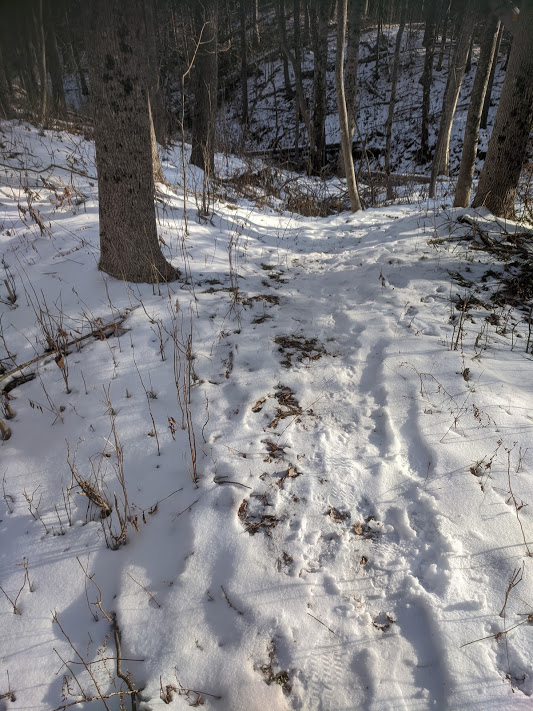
{"points": [[488, 93], [244, 63], [507, 150], [473, 119], [205, 85], [427, 78], [351, 183], [440, 165], [129, 246], [319, 32], [356, 12], [392, 100]]}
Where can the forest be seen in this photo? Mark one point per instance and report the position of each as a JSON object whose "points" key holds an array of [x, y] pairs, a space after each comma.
{"points": [[266, 331]]}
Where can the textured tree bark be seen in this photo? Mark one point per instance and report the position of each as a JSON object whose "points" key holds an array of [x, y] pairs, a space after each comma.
{"points": [[351, 182], [205, 87], [440, 165], [486, 103], [129, 246], [426, 78], [473, 119], [244, 64], [499, 177], [319, 30], [392, 100]]}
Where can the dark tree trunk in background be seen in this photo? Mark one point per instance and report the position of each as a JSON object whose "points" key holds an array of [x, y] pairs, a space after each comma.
{"points": [[486, 103], [440, 165], [6, 108], [54, 64], [319, 29], [392, 101], [256, 37], [282, 24], [473, 119], [351, 184], [244, 63], [41, 57], [445, 20], [205, 74], [129, 246], [427, 78], [507, 151]]}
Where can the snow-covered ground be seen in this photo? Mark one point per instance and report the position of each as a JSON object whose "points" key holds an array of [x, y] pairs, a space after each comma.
{"points": [[359, 424]]}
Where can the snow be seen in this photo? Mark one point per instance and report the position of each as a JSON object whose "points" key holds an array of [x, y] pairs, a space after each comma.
{"points": [[358, 439]]}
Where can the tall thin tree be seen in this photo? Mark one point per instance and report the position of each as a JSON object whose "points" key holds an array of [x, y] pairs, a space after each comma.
{"points": [[353, 193], [473, 119]]}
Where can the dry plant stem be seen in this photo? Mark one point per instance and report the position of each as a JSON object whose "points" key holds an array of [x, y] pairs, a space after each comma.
{"points": [[120, 673], [7, 497], [145, 589], [497, 635], [516, 578], [239, 612], [187, 509], [82, 660], [517, 507], [149, 407], [88, 699], [98, 602]]}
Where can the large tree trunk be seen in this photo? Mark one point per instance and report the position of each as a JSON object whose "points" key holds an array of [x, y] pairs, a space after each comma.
{"points": [[427, 78], [473, 119], [508, 143], [351, 183], [440, 165], [206, 85], [392, 101], [488, 93], [129, 246], [319, 29]]}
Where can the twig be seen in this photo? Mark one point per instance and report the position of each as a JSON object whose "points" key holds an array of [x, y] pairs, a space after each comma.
{"points": [[145, 589], [187, 509], [239, 612], [323, 625], [513, 582]]}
